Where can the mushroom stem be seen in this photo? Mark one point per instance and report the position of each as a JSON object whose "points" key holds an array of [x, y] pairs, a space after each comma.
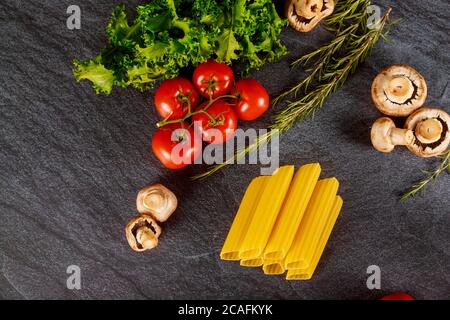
{"points": [[401, 137], [385, 136], [400, 87], [146, 238], [153, 200], [429, 131]]}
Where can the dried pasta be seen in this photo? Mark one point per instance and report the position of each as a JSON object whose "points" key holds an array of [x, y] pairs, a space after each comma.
{"points": [[255, 262], [266, 213], [306, 274], [238, 230], [308, 235], [274, 267], [284, 223], [292, 211]]}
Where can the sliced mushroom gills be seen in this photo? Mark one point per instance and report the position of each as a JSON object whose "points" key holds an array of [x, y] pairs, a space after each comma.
{"points": [[431, 130], [146, 238], [304, 15], [142, 233], [399, 90]]}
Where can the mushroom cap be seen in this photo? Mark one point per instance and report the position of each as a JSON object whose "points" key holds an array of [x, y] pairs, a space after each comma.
{"points": [[304, 15], [156, 200], [139, 225], [434, 141], [399, 90], [380, 134]]}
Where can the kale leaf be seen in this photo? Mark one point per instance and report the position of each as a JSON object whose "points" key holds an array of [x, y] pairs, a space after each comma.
{"points": [[168, 35]]}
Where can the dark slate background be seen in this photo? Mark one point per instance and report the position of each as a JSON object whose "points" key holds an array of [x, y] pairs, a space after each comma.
{"points": [[71, 164]]}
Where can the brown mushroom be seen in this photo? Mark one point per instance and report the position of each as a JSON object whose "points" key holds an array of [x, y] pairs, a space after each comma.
{"points": [[431, 131], [157, 201], [385, 136], [304, 15], [142, 233], [399, 90]]}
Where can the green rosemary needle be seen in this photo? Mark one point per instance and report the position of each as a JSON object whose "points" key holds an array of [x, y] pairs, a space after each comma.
{"points": [[323, 56], [349, 23], [346, 11], [334, 75], [431, 176]]}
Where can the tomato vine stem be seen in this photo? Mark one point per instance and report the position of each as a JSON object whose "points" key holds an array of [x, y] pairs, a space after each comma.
{"points": [[191, 113]]}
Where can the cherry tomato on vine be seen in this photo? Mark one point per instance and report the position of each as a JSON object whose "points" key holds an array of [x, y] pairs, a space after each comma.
{"points": [[213, 79], [173, 97], [219, 116], [176, 145], [253, 99], [398, 296]]}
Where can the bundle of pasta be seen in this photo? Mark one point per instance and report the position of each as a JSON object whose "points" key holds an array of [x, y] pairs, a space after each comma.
{"points": [[283, 223]]}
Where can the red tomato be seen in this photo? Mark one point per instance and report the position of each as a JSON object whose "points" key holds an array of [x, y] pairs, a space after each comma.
{"points": [[213, 78], [398, 296], [253, 99], [225, 122], [172, 96], [179, 153]]}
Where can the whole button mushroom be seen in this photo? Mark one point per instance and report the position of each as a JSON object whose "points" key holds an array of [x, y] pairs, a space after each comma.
{"points": [[385, 136], [431, 132], [154, 203], [399, 90], [142, 233], [156, 200], [304, 15]]}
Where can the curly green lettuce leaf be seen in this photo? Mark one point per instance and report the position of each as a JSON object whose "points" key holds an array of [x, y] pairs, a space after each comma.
{"points": [[156, 16], [119, 32], [258, 29], [156, 7], [252, 34], [169, 35], [102, 79], [208, 12], [152, 65], [227, 46]]}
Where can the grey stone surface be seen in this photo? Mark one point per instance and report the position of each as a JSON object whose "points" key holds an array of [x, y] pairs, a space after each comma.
{"points": [[71, 163]]}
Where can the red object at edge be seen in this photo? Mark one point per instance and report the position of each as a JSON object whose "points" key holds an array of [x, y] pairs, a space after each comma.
{"points": [[398, 296]]}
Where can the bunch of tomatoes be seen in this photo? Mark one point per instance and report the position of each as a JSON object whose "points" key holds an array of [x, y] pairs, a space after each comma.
{"points": [[207, 109]]}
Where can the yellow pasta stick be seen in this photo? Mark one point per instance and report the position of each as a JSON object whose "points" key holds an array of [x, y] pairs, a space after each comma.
{"points": [[238, 230], [275, 267], [306, 274], [313, 223], [266, 213], [292, 211], [256, 262]]}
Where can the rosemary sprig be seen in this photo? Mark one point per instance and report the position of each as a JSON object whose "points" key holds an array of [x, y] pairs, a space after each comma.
{"points": [[322, 56], [334, 67], [334, 75], [351, 15], [345, 11], [431, 176]]}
